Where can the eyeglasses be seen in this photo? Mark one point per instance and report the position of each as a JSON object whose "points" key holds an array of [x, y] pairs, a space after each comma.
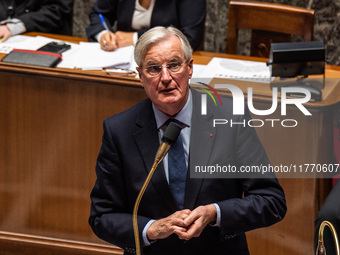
{"points": [[173, 67]]}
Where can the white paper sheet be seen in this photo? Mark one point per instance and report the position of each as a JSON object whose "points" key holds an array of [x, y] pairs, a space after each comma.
{"points": [[89, 55], [234, 69], [85, 55]]}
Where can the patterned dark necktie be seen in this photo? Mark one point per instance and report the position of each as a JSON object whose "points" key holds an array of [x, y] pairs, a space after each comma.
{"points": [[177, 171]]}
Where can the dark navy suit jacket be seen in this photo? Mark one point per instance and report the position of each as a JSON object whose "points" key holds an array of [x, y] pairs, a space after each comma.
{"points": [[186, 15], [130, 142], [41, 15]]}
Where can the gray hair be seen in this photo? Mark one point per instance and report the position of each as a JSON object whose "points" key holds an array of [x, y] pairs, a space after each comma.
{"points": [[155, 35]]}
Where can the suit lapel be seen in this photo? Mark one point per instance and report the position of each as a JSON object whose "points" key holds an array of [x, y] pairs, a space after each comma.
{"points": [[201, 144], [146, 138]]}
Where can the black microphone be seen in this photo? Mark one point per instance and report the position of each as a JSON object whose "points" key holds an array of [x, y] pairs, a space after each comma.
{"points": [[169, 138]]}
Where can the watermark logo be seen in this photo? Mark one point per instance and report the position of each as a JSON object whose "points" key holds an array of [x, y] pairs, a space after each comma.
{"points": [[204, 97], [303, 96], [238, 100]]}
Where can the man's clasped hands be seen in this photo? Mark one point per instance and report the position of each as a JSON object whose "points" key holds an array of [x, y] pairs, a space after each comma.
{"points": [[186, 224]]}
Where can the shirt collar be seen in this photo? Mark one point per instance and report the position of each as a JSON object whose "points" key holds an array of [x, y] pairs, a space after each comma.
{"points": [[183, 116]]}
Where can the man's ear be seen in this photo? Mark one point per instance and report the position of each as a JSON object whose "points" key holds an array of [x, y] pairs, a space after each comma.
{"points": [[140, 74], [138, 70], [191, 65]]}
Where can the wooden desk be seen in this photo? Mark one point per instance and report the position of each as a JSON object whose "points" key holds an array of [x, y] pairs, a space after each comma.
{"points": [[50, 135]]}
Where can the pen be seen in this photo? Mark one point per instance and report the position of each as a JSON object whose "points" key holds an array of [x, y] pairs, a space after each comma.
{"points": [[103, 22]]}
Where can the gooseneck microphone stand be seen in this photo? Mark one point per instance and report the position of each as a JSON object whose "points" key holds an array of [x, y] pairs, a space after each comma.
{"points": [[170, 136], [321, 250]]}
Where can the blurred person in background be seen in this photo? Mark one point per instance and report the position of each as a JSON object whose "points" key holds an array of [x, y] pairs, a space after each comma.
{"points": [[48, 16], [128, 20]]}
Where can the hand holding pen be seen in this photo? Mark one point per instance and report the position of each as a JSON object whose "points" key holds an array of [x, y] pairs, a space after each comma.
{"points": [[108, 39]]}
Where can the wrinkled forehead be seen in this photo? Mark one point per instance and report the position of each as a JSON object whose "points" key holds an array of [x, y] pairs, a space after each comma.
{"points": [[164, 50]]}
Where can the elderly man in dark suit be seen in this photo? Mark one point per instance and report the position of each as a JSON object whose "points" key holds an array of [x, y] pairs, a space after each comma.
{"points": [[202, 215]]}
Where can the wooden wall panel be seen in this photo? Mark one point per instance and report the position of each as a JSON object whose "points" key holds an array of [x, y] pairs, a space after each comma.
{"points": [[50, 136]]}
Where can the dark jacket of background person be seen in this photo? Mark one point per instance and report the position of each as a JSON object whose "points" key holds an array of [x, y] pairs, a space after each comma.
{"points": [[48, 16], [186, 15], [330, 211]]}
